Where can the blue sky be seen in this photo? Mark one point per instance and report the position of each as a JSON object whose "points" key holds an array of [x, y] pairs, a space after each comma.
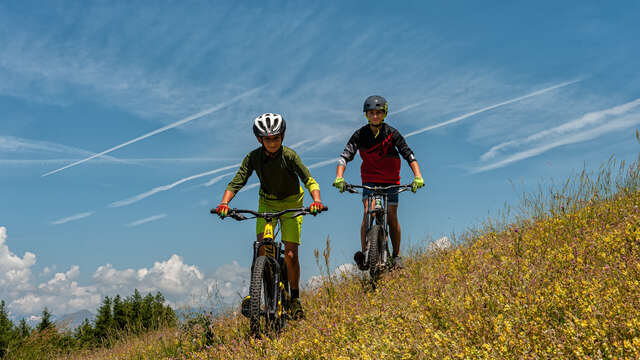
{"points": [[486, 93]]}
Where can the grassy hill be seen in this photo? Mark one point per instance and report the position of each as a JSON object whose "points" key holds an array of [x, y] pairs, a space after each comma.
{"points": [[562, 280]]}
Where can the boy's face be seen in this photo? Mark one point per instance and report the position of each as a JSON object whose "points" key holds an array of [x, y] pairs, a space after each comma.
{"points": [[375, 117], [271, 143]]}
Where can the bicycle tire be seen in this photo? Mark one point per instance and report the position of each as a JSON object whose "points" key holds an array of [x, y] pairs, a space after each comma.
{"points": [[261, 292], [375, 252]]}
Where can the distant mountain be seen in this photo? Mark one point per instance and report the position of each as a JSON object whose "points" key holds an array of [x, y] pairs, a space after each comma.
{"points": [[73, 320]]}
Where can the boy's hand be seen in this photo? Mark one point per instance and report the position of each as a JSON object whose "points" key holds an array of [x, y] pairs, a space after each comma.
{"points": [[339, 183], [417, 183], [315, 207], [222, 210]]}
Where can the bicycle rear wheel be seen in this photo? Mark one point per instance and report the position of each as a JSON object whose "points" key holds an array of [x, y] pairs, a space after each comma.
{"points": [[374, 239], [262, 295]]}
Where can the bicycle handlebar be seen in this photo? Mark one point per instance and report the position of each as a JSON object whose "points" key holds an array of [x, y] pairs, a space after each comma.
{"points": [[351, 188], [237, 213]]}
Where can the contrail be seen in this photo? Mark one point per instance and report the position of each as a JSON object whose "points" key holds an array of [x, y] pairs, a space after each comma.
{"points": [[216, 179], [158, 189], [462, 117], [146, 220], [592, 118], [73, 217], [162, 129], [553, 140], [324, 163]]}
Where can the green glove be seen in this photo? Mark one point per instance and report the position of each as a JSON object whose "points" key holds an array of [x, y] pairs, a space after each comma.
{"points": [[339, 183], [417, 183]]}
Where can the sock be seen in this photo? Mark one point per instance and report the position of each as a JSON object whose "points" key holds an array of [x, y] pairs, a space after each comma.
{"points": [[295, 293]]}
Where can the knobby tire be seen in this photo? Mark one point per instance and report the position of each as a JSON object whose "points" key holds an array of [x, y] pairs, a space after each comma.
{"points": [[261, 284], [375, 251]]}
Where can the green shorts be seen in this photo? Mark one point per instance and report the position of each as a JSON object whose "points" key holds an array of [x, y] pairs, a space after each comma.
{"points": [[290, 228]]}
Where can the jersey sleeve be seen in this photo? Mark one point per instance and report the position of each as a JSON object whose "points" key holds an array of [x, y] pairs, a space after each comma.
{"points": [[242, 175], [350, 149], [303, 173], [403, 148]]}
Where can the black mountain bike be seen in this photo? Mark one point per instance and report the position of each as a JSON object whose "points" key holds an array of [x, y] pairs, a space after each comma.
{"points": [[269, 292], [377, 255]]}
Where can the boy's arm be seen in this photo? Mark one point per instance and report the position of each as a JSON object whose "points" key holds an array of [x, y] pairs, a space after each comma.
{"points": [[240, 179], [305, 176], [226, 197], [415, 168], [348, 153], [403, 148]]}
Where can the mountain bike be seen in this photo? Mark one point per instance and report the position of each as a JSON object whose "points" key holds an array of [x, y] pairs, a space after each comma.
{"points": [[377, 255], [269, 291]]}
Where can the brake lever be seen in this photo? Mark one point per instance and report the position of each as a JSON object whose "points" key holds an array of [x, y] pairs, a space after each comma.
{"points": [[238, 217], [296, 214]]}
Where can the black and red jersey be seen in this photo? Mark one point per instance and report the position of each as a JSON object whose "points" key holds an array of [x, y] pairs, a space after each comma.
{"points": [[380, 154]]}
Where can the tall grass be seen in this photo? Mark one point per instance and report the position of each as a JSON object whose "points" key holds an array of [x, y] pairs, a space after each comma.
{"points": [[559, 279]]}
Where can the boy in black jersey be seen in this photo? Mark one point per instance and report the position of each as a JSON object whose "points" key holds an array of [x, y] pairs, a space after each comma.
{"points": [[380, 147]]}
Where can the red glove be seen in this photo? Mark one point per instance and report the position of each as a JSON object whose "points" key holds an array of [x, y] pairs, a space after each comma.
{"points": [[222, 210], [316, 207]]}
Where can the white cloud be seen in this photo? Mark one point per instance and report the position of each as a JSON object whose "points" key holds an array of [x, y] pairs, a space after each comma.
{"points": [[72, 218], [182, 284], [15, 272], [340, 272], [441, 244]]}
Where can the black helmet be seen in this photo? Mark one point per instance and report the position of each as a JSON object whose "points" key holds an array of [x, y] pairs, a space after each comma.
{"points": [[375, 102], [269, 124]]}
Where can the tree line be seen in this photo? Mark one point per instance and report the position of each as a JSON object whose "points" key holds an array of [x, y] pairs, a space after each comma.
{"points": [[116, 318]]}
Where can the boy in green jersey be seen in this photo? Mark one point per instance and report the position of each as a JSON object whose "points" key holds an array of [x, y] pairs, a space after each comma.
{"points": [[278, 168]]}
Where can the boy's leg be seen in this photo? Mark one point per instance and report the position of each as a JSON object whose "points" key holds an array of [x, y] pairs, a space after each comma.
{"points": [[363, 226], [291, 239], [293, 264], [394, 228], [359, 256]]}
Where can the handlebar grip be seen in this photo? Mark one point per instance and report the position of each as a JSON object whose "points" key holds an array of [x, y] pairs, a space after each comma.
{"points": [[213, 211]]}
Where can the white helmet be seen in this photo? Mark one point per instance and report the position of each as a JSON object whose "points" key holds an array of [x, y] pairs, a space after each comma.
{"points": [[269, 124]]}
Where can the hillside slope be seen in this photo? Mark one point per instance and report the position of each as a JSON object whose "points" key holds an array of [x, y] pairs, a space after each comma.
{"points": [[564, 286]]}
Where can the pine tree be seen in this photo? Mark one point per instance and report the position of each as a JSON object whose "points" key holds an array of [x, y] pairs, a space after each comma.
{"points": [[146, 313], [104, 320], [85, 334], [119, 313], [135, 317], [158, 311], [24, 329], [6, 327], [45, 323]]}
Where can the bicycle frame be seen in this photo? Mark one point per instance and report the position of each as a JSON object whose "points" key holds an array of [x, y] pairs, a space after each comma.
{"points": [[274, 255], [377, 211]]}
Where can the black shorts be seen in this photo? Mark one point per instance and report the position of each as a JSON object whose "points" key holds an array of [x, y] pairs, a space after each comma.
{"points": [[392, 194]]}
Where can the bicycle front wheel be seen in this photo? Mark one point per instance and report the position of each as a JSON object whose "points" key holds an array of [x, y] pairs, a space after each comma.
{"points": [[374, 240], [262, 295]]}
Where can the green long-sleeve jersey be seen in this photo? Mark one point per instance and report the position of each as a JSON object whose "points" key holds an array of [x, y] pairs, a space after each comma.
{"points": [[278, 175]]}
